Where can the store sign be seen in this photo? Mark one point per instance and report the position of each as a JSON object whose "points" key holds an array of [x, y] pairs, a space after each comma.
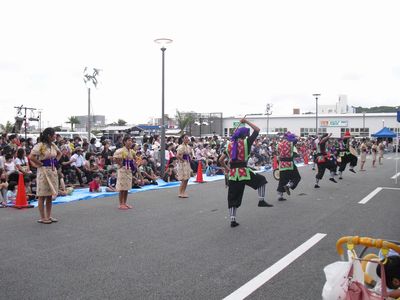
{"points": [[333, 123]]}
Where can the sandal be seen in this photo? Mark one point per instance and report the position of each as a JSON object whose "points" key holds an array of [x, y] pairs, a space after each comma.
{"points": [[129, 206], [54, 220], [123, 207], [44, 221]]}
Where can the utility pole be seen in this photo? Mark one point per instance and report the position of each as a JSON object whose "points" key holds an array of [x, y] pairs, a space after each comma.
{"points": [[19, 108], [316, 113]]}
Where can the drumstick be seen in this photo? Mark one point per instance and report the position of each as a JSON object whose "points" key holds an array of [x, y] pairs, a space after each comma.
{"points": [[240, 123]]}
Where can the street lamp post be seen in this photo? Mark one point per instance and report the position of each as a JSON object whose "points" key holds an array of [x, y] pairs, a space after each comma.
{"points": [[363, 123], [201, 122], [316, 113], [268, 112], [163, 42]]}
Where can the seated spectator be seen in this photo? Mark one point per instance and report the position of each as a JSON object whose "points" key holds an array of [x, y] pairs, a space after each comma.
{"points": [[64, 162], [112, 182], [3, 188], [12, 192], [251, 163], [77, 162], [137, 180], [147, 172], [170, 174], [21, 163], [212, 169], [92, 167], [209, 170], [92, 146], [62, 189], [100, 162], [107, 155], [28, 189], [94, 185], [9, 164]]}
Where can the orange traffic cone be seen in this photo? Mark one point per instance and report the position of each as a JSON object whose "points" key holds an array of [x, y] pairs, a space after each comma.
{"points": [[21, 201], [199, 177], [306, 159], [275, 163]]}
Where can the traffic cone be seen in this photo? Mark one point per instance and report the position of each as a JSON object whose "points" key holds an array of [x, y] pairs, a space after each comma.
{"points": [[199, 177], [306, 159], [275, 163], [21, 201]]}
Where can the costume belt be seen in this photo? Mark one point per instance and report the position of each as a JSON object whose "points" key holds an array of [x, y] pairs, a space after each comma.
{"points": [[285, 158], [50, 162], [129, 164], [238, 164], [186, 157]]}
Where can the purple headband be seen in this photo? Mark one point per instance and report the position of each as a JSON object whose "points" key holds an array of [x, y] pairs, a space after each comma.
{"points": [[290, 137], [241, 132]]}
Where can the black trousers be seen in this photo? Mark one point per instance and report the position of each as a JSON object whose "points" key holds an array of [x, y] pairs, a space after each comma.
{"points": [[328, 164], [236, 188], [87, 174], [345, 159], [286, 176]]}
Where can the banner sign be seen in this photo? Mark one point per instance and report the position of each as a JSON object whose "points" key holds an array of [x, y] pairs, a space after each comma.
{"points": [[333, 123]]}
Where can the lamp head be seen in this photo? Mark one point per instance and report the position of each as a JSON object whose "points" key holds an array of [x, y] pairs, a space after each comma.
{"points": [[163, 42]]}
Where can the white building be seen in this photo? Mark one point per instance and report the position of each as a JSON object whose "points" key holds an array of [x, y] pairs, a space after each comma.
{"points": [[304, 125], [341, 107]]}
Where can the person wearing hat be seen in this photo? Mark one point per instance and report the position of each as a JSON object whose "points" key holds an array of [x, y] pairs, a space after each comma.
{"points": [[77, 162], [239, 174], [345, 156], [289, 176], [324, 160]]}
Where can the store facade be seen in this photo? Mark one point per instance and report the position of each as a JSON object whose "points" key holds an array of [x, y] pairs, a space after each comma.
{"points": [[359, 125]]}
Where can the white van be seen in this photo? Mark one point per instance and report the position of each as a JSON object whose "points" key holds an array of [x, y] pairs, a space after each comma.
{"points": [[81, 134]]}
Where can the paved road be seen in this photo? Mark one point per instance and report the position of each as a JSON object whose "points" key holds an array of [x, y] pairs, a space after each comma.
{"points": [[171, 248]]}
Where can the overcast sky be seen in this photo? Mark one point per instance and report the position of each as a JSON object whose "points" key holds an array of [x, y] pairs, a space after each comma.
{"points": [[227, 56]]}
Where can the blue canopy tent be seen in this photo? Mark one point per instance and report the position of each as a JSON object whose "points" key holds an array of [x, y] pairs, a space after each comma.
{"points": [[384, 133]]}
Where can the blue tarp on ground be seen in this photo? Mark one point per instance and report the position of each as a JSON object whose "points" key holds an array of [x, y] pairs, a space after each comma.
{"points": [[84, 194], [384, 133]]}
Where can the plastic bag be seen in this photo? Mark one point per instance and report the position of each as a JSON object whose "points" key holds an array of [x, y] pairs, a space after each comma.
{"points": [[336, 280]]}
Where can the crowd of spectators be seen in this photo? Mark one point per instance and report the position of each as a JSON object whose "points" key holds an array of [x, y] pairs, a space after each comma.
{"points": [[82, 161]]}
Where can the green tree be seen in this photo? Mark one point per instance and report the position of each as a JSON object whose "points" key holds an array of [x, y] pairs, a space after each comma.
{"points": [[184, 120], [73, 120], [121, 122], [6, 128]]}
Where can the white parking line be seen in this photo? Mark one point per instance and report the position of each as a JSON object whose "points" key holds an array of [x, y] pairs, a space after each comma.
{"points": [[266, 275], [374, 192], [394, 177], [370, 195]]}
